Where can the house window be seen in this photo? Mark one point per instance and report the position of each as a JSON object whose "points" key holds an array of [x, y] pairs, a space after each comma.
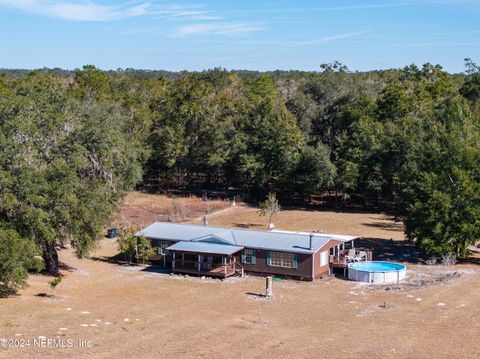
{"points": [[162, 247], [281, 259], [249, 256], [323, 258]]}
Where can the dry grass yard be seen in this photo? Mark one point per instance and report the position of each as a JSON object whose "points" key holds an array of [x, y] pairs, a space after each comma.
{"points": [[137, 312], [141, 209]]}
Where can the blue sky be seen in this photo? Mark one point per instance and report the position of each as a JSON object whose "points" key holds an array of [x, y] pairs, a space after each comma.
{"points": [[245, 34]]}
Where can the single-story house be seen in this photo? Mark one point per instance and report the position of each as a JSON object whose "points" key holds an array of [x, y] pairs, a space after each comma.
{"points": [[222, 252]]}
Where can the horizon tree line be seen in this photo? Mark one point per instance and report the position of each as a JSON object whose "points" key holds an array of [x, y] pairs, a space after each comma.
{"points": [[73, 144]]}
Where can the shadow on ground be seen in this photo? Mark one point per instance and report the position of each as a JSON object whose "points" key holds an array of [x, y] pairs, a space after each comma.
{"points": [[249, 225], [116, 259], [388, 226], [44, 295], [157, 270], [119, 259], [65, 267], [324, 208], [256, 295], [390, 250], [473, 258], [62, 267]]}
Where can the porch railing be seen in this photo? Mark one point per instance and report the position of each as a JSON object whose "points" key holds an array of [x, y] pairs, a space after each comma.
{"points": [[204, 267], [345, 257], [195, 265]]}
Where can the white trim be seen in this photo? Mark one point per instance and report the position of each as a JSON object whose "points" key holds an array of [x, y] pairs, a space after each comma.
{"points": [[324, 255], [313, 266], [211, 236], [339, 237]]}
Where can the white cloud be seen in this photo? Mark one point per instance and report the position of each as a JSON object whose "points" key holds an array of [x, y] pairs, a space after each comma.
{"points": [[87, 10], [182, 12], [222, 29], [332, 38], [77, 10], [354, 7], [322, 40]]}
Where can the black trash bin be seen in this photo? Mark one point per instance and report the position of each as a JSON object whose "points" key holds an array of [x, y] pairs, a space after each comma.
{"points": [[112, 233]]}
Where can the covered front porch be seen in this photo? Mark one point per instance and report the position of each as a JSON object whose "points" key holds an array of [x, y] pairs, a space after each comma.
{"points": [[204, 258]]}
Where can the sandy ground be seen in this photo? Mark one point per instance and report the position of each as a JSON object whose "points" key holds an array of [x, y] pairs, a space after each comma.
{"points": [[128, 312], [365, 224], [141, 209]]}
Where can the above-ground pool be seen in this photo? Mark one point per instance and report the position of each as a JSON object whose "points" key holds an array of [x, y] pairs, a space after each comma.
{"points": [[376, 272]]}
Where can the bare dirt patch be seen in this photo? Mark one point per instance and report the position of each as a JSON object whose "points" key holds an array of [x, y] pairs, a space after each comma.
{"points": [[421, 276], [365, 224], [142, 209], [130, 312]]}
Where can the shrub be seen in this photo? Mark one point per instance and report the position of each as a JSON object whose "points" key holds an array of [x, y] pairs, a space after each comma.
{"points": [[17, 257]]}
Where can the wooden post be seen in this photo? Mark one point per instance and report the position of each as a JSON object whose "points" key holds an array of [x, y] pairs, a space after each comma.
{"points": [[268, 286], [183, 259], [199, 263], [173, 261]]}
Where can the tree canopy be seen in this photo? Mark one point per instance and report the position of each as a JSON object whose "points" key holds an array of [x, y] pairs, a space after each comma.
{"points": [[73, 143], [64, 163]]}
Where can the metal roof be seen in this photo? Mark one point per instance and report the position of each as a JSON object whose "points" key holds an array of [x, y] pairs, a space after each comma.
{"points": [[277, 241], [338, 237], [205, 247]]}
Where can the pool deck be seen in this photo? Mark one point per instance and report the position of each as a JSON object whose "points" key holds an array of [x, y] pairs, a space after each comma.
{"points": [[343, 262]]}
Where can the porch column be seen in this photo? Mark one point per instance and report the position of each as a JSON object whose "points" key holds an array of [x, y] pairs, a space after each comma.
{"points": [[183, 259], [199, 264], [353, 243], [173, 261], [225, 263]]}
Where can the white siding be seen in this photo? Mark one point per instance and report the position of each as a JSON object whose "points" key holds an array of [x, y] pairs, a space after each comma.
{"points": [[323, 258]]}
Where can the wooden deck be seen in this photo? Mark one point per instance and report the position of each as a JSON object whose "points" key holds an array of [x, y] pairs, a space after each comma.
{"points": [[342, 261], [217, 271]]}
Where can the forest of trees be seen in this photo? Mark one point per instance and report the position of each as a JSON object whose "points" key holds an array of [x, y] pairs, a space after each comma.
{"points": [[72, 143]]}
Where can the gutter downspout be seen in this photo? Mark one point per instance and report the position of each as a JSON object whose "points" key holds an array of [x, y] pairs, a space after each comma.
{"points": [[313, 258]]}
